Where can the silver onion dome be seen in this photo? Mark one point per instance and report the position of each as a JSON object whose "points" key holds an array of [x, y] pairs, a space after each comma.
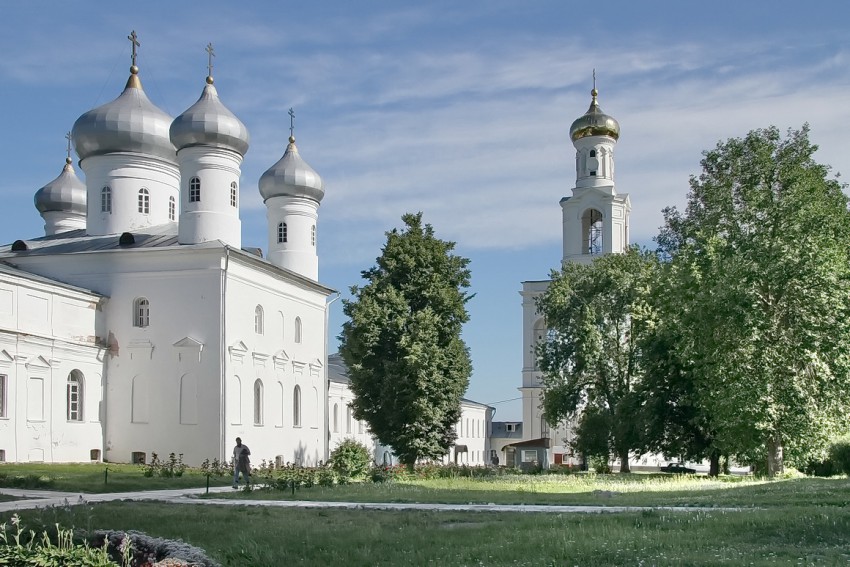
{"points": [[130, 123], [292, 177], [594, 122], [66, 193], [209, 123]]}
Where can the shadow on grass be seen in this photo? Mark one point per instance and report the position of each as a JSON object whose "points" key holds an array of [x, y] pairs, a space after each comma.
{"points": [[97, 478]]}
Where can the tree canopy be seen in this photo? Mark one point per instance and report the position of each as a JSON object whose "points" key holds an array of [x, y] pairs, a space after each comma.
{"points": [[407, 362], [591, 362], [760, 266]]}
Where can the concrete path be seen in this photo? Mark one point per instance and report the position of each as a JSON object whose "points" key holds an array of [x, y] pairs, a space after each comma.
{"points": [[43, 498]]}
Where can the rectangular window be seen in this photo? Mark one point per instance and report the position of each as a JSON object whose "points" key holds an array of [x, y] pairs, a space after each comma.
{"points": [[3, 395], [529, 456], [510, 427]]}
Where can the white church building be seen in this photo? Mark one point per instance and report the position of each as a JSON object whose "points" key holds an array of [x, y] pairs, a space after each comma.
{"points": [[138, 324], [595, 221]]}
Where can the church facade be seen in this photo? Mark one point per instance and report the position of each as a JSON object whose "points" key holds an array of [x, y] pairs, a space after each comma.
{"points": [[138, 324], [595, 221]]}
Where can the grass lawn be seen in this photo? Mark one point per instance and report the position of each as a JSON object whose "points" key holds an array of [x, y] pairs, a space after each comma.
{"points": [[581, 489], [801, 521], [256, 537], [90, 478]]}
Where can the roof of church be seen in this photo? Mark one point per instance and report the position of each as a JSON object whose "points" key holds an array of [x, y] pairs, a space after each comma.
{"points": [[156, 237], [337, 370], [10, 270]]}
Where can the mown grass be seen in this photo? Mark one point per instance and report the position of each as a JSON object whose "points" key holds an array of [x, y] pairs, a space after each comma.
{"points": [[261, 536], [600, 490], [97, 478], [799, 521]]}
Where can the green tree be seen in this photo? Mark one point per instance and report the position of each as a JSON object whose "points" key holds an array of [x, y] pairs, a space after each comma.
{"points": [[672, 418], [409, 367], [762, 262], [596, 315]]}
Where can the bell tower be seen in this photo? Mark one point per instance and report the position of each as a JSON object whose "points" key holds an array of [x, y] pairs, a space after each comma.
{"points": [[595, 217]]}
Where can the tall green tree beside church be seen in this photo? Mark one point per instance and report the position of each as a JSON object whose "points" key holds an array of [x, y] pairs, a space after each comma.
{"points": [[761, 259], [597, 316], [407, 362]]}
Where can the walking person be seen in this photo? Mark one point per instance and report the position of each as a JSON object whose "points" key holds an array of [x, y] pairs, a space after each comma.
{"points": [[241, 463]]}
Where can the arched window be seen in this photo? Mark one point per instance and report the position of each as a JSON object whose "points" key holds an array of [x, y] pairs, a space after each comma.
{"points": [[282, 325], [313, 235], [258, 319], [144, 201], [539, 336], [74, 403], [106, 200], [194, 190], [141, 312], [233, 200], [298, 329], [348, 419], [296, 406], [336, 418], [172, 209], [258, 402], [592, 153], [591, 225], [282, 235]]}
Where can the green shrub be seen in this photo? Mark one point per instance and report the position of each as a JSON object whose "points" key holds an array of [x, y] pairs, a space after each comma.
{"points": [[350, 460], [839, 454], [821, 468]]}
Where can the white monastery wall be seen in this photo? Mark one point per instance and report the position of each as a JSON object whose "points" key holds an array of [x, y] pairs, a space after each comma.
{"points": [[46, 337]]}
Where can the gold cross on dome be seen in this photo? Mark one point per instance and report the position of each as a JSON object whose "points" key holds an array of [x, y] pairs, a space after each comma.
{"points": [[68, 149], [211, 53], [291, 123], [134, 40], [594, 79]]}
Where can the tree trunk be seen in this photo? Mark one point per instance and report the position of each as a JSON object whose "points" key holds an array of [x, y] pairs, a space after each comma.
{"points": [[775, 462], [624, 462], [714, 466]]}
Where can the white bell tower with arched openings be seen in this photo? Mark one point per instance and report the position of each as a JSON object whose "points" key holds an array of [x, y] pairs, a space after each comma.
{"points": [[595, 222], [595, 217]]}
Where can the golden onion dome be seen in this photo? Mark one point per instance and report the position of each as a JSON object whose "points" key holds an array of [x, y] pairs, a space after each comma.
{"points": [[594, 122]]}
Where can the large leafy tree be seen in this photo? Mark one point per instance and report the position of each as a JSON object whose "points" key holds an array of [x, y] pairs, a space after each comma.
{"points": [[591, 358], [408, 365], [672, 418], [762, 262]]}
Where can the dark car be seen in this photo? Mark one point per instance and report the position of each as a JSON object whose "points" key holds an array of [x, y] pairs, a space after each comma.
{"points": [[677, 468]]}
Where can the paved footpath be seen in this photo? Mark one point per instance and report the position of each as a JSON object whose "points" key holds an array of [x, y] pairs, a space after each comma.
{"points": [[42, 498]]}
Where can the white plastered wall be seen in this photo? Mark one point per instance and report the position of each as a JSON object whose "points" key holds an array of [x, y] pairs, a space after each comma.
{"points": [[46, 332]]}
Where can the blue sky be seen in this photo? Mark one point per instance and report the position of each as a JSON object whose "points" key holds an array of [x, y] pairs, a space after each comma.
{"points": [[460, 110]]}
